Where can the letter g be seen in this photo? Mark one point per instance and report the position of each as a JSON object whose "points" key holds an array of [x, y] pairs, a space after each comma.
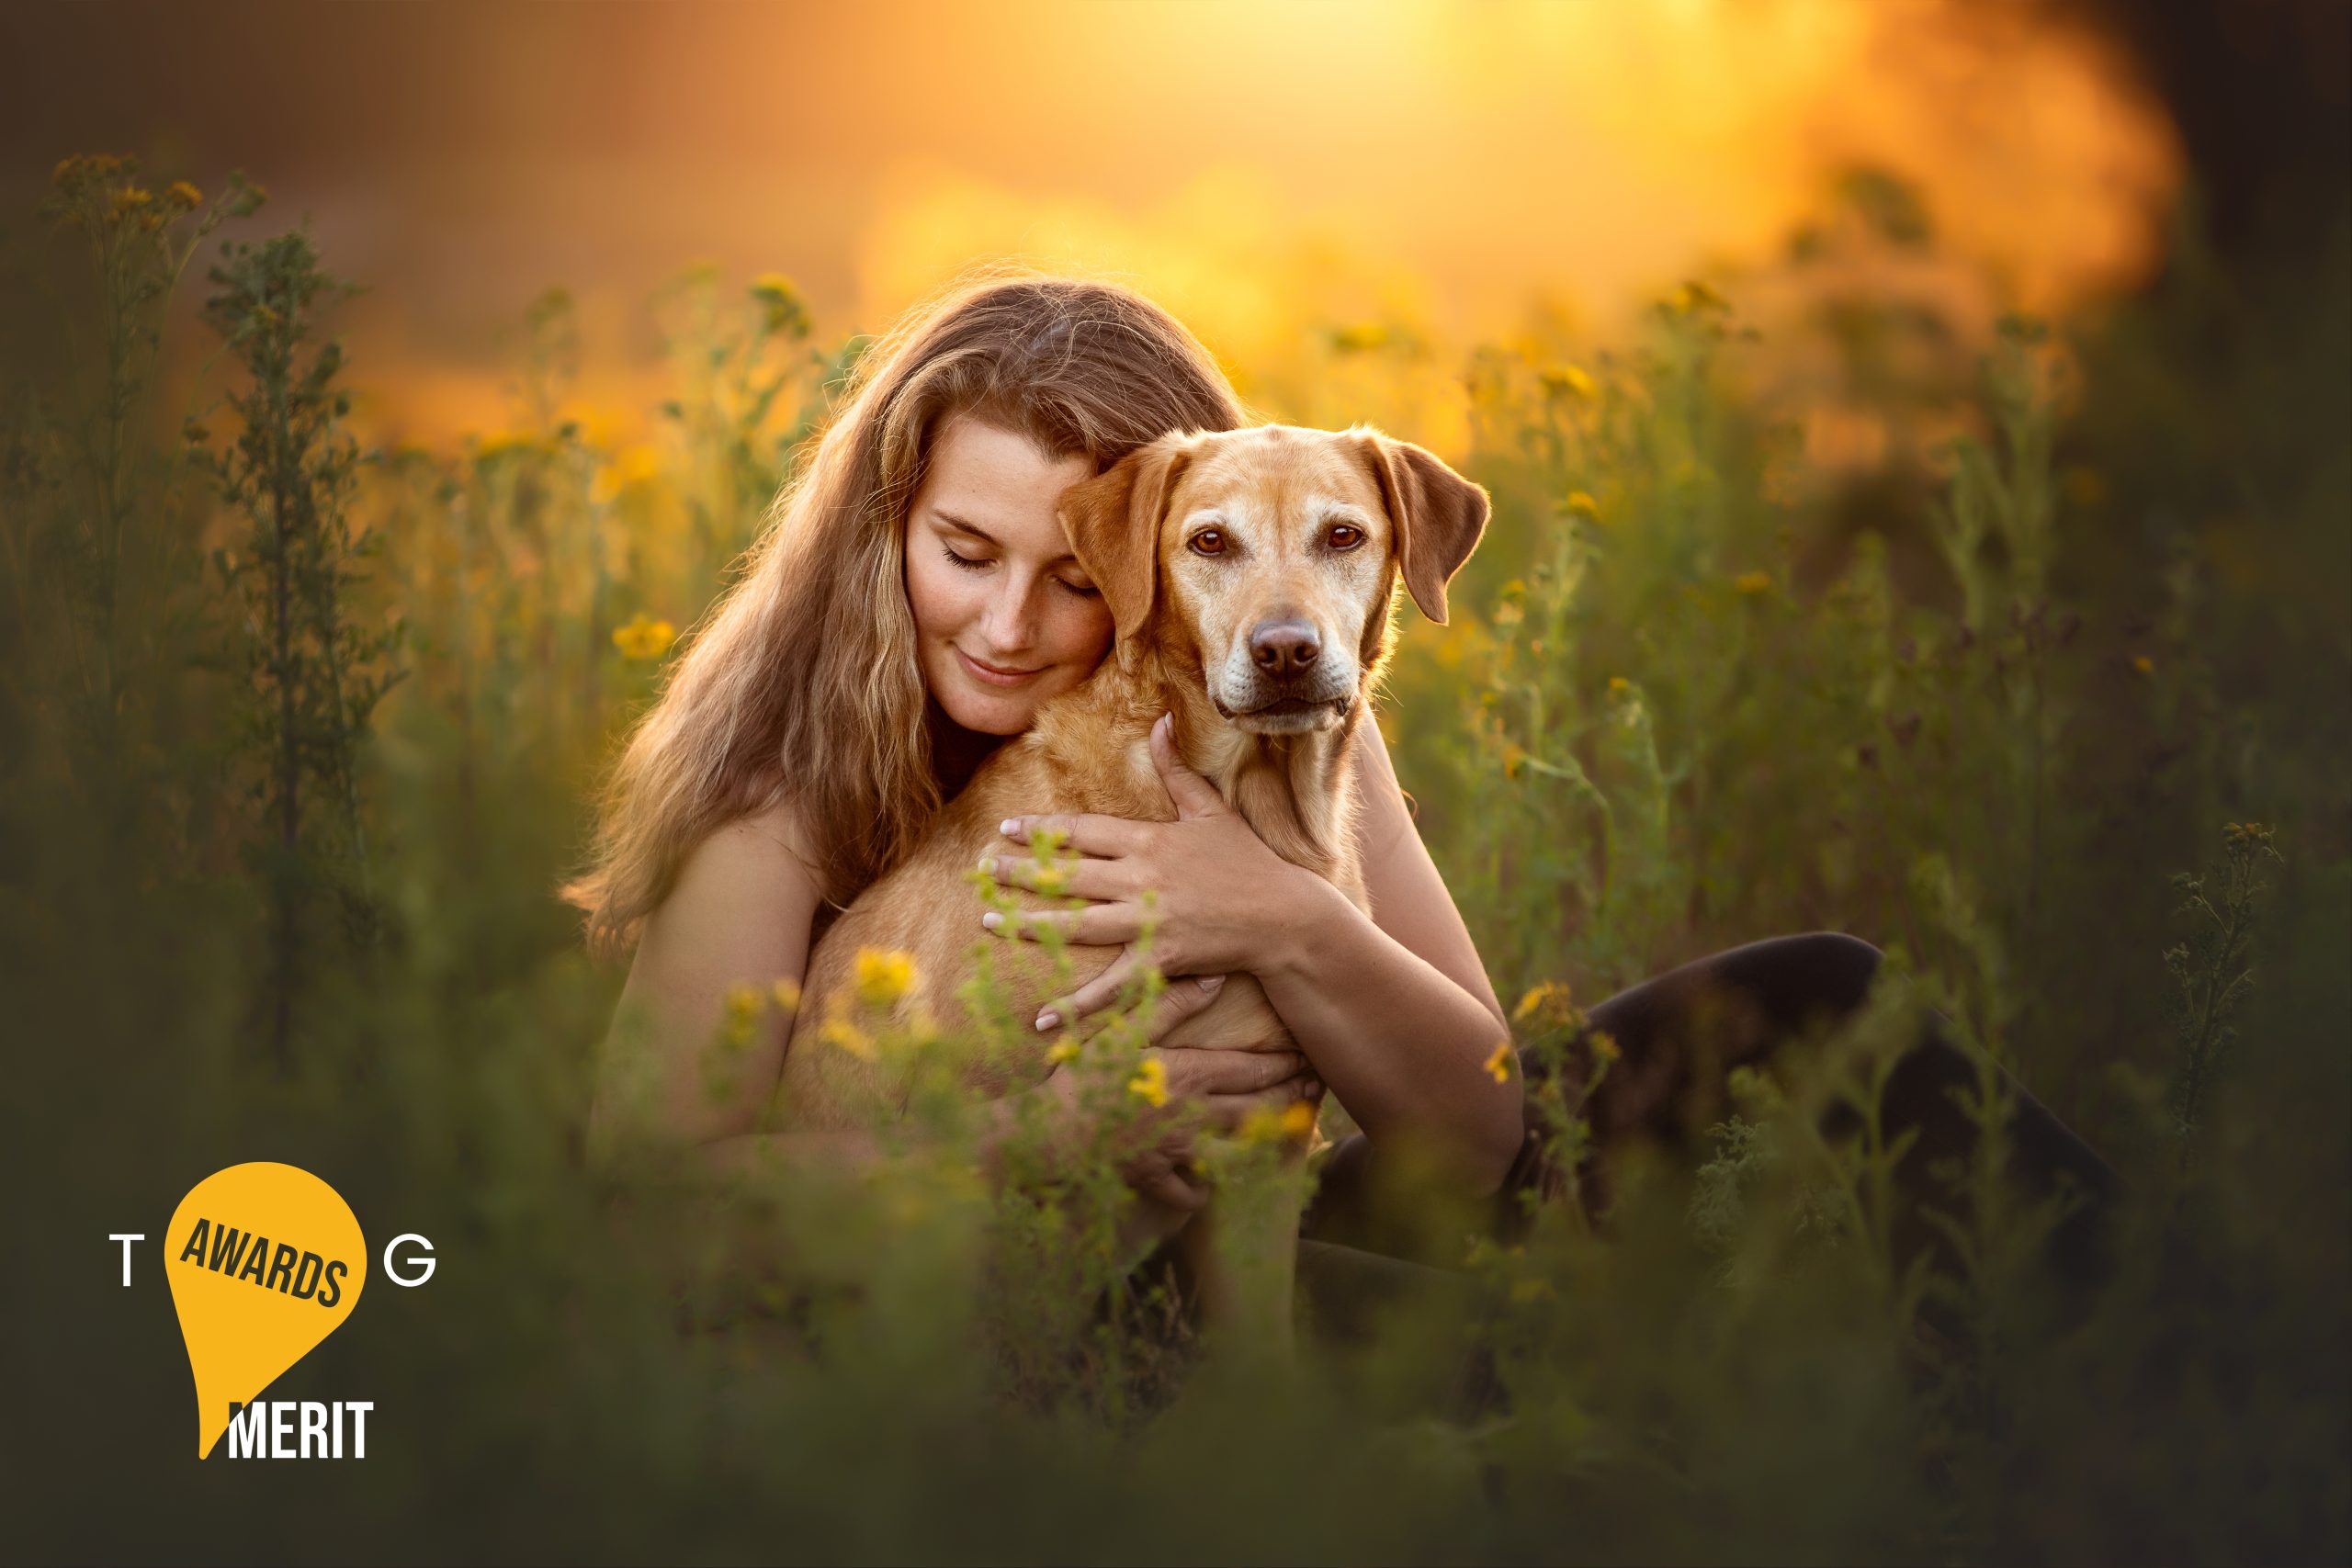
{"points": [[392, 1263]]}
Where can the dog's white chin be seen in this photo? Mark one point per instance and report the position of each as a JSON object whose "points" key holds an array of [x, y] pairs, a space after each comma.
{"points": [[1304, 721]]}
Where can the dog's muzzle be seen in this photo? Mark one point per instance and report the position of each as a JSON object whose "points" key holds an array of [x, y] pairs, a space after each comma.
{"points": [[1281, 679], [1287, 716]]}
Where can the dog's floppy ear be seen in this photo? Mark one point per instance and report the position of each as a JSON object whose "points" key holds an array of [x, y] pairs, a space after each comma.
{"points": [[1438, 514], [1113, 521]]}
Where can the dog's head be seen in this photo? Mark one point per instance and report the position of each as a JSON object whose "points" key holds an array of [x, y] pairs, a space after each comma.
{"points": [[1270, 555]]}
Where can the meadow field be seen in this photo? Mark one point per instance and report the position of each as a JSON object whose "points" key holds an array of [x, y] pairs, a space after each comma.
{"points": [[2017, 646]]}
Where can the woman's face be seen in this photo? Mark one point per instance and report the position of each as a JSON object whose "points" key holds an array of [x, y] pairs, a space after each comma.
{"points": [[1004, 618]]}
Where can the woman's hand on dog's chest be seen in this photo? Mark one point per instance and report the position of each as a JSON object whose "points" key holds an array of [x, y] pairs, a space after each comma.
{"points": [[1223, 902]]}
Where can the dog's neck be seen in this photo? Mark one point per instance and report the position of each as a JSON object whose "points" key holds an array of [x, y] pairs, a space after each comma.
{"points": [[1296, 791]]}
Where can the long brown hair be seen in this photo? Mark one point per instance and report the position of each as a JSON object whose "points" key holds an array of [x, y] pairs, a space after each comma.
{"points": [[799, 684]]}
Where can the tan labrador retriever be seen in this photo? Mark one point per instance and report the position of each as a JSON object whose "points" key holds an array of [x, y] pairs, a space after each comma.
{"points": [[1249, 576]]}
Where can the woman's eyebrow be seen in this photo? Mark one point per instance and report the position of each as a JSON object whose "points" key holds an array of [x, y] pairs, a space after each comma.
{"points": [[961, 527]]}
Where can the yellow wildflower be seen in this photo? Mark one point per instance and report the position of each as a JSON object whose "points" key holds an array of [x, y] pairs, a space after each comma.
{"points": [[86, 165], [644, 639], [787, 992], [1263, 1125], [1566, 380], [1150, 1085], [1580, 503], [1360, 339], [184, 193], [1618, 685], [1514, 759], [739, 1015], [841, 1032], [1604, 1045], [883, 975], [1548, 1000], [1295, 1121], [1753, 582], [1065, 1050], [636, 464], [1525, 1290], [130, 198], [1498, 1063], [2143, 664]]}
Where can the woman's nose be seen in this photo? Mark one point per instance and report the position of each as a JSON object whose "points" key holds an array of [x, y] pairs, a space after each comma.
{"points": [[1011, 620]]}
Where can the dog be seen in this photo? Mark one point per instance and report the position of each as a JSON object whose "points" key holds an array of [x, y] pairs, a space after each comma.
{"points": [[1250, 575]]}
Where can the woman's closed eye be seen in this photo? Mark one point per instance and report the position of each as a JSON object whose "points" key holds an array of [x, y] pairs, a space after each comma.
{"points": [[982, 564]]}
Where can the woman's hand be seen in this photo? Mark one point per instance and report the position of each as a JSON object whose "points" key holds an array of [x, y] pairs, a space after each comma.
{"points": [[1222, 894]]}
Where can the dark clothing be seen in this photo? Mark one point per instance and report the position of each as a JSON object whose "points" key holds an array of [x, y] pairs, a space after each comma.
{"points": [[1679, 1033]]}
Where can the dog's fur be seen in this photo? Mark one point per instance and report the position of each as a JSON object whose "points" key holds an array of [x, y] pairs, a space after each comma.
{"points": [[1274, 745]]}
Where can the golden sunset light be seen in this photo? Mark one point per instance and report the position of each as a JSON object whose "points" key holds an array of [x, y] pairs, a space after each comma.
{"points": [[1264, 170]]}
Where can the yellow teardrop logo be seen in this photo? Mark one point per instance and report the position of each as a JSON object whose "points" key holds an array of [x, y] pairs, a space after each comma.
{"points": [[265, 1261]]}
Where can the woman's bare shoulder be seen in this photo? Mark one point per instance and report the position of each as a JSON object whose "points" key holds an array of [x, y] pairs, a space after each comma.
{"points": [[769, 832], [750, 880], [739, 914]]}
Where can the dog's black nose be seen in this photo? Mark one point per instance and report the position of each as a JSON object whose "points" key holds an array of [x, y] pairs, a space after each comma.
{"points": [[1283, 648]]}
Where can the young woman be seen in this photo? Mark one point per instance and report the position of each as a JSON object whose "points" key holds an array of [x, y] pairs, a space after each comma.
{"points": [[911, 603]]}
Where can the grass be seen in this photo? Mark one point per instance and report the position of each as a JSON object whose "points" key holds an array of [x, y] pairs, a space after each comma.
{"points": [[1699, 690]]}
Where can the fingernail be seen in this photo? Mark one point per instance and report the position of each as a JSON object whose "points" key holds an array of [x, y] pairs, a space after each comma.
{"points": [[1211, 983], [992, 920], [1046, 1019], [988, 863], [1010, 826]]}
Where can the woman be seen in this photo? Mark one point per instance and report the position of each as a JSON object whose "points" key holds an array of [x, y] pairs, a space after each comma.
{"points": [[910, 604]]}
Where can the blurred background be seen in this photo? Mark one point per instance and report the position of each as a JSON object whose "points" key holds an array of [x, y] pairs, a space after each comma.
{"points": [[1923, 509], [1249, 164]]}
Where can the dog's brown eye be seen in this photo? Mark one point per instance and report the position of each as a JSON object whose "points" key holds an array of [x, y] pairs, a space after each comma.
{"points": [[1345, 536], [1208, 542]]}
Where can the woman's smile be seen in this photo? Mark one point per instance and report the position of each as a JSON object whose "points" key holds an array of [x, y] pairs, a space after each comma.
{"points": [[996, 674]]}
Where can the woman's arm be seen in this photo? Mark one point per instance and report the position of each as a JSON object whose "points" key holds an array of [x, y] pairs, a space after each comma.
{"points": [[741, 915], [1393, 1011]]}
